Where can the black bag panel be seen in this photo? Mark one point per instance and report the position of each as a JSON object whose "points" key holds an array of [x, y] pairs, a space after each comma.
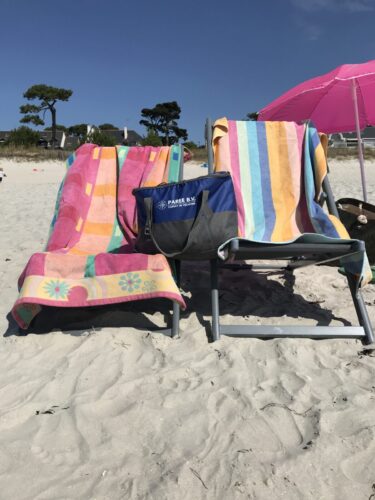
{"points": [[358, 218], [196, 238], [171, 237]]}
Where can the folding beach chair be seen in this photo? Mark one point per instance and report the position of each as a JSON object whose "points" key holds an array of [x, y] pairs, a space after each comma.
{"points": [[89, 258], [279, 173]]}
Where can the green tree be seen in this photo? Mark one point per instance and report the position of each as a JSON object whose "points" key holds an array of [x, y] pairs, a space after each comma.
{"points": [[23, 136], [190, 145], [79, 130], [152, 139], [58, 127], [101, 139], [162, 120], [252, 116], [107, 126], [47, 97]]}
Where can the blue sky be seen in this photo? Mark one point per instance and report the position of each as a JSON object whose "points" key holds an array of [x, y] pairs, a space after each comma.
{"points": [[216, 58]]}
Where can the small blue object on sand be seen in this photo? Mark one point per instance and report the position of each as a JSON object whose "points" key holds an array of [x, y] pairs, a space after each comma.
{"points": [[204, 165]]}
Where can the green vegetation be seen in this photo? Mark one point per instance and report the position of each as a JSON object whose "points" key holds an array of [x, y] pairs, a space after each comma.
{"points": [[152, 139], [58, 127], [47, 97], [23, 136], [32, 153], [107, 126], [100, 138], [349, 153], [79, 130], [162, 121]]}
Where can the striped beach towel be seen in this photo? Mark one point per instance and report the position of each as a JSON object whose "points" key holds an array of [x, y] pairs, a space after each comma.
{"points": [[89, 257], [278, 169]]}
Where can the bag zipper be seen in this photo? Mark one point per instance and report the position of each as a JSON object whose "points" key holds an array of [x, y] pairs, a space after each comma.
{"points": [[187, 181]]}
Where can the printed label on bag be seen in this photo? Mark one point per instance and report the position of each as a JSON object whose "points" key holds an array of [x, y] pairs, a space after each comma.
{"points": [[177, 203]]}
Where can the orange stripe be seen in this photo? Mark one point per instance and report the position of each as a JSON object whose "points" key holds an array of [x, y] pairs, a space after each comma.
{"points": [[282, 189], [340, 228], [98, 228], [108, 153], [76, 251], [105, 190]]}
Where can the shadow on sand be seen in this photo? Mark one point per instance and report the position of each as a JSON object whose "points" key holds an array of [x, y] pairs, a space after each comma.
{"points": [[242, 293]]}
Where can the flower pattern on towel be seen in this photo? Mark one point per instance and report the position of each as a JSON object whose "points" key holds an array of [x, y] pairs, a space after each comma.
{"points": [[57, 289], [130, 282], [149, 286]]}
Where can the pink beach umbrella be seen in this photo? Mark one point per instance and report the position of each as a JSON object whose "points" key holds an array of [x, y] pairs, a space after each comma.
{"points": [[342, 100]]}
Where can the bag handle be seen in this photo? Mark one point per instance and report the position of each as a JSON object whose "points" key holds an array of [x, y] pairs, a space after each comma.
{"points": [[149, 205]]}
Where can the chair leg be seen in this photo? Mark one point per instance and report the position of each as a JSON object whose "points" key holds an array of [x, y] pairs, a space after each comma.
{"points": [[361, 310], [176, 308], [175, 320], [215, 300]]}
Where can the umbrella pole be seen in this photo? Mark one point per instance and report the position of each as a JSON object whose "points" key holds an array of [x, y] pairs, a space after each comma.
{"points": [[360, 149]]}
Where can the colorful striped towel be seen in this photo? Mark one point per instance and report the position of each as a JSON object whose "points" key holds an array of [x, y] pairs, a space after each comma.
{"points": [[89, 257], [278, 169]]}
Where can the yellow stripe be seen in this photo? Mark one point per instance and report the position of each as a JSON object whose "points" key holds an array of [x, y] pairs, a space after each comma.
{"points": [[281, 181], [88, 188], [340, 228], [95, 154], [152, 156], [76, 251], [105, 190], [79, 224], [98, 228]]}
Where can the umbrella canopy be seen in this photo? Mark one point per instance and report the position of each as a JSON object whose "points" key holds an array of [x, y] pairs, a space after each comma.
{"points": [[327, 100], [342, 100]]}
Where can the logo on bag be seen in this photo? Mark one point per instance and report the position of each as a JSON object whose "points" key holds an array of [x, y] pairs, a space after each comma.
{"points": [[187, 201], [162, 205]]}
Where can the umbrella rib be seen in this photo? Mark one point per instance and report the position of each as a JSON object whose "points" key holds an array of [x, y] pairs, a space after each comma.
{"points": [[363, 102], [328, 87]]}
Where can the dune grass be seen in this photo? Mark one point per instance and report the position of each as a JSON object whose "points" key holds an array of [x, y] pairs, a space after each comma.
{"points": [[349, 153], [33, 153]]}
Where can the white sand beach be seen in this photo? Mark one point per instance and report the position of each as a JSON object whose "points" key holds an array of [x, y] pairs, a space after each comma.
{"points": [[99, 412]]}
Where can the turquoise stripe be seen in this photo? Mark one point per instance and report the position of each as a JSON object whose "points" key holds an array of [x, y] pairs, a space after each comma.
{"points": [[256, 184], [117, 235], [245, 169], [122, 153], [319, 220], [174, 163], [90, 266]]}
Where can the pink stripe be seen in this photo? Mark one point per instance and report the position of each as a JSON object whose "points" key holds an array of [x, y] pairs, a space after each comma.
{"points": [[236, 175], [74, 201], [132, 172]]}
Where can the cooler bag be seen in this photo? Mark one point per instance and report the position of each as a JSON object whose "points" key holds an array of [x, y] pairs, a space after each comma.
{"points": [[188, 219], [359, 219]]}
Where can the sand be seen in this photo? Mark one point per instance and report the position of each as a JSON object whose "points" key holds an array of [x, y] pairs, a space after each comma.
{"points": [[118, 412]]}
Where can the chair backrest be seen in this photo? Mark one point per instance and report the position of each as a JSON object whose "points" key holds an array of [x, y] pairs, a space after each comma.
{"points": [[95, 209], [278, 169]]}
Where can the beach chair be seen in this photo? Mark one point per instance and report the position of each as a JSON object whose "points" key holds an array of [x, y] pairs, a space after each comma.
{"points": [[89, 259], [279, 172]]}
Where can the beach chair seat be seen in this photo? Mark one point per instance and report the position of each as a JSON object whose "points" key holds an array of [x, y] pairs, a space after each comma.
{"points": [[279, 172], [89, 259]]}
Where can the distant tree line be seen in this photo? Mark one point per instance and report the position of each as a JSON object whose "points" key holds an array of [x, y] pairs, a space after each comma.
{"points": [[26, 136], [161, 121]]}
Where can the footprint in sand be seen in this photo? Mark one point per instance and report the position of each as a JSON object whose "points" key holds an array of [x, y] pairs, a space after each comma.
{"points": [[58, 441], [277, 428]]}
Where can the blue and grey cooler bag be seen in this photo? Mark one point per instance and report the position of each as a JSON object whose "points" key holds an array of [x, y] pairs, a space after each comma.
{"points": [[188, 219]]}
